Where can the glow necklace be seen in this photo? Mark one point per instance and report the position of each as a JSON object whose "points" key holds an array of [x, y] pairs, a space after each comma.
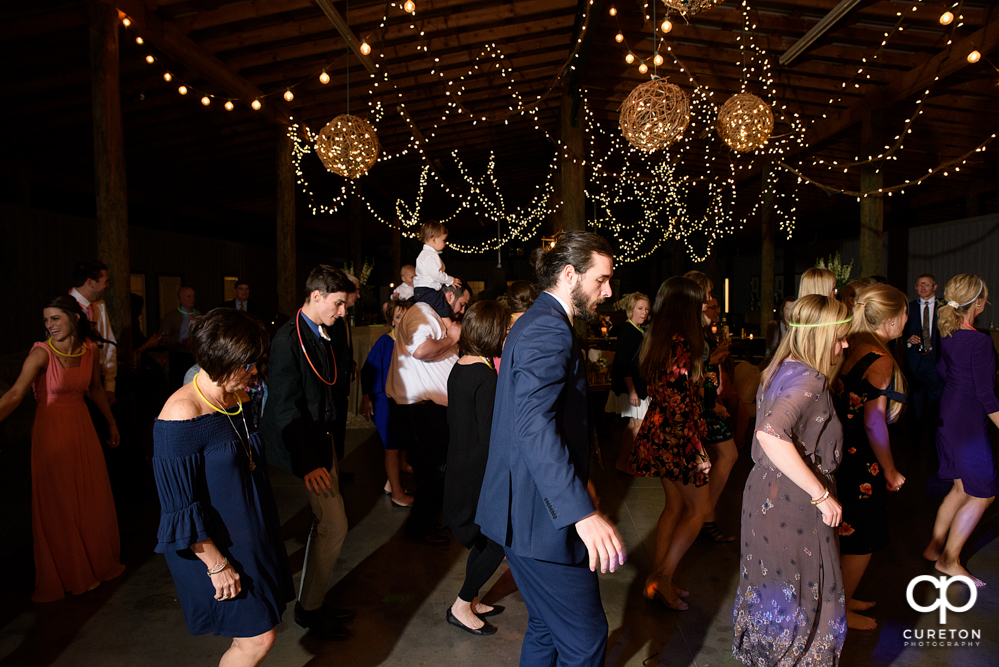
{"points": [[488, 363], [212, 405], [635, 325], [819, 324], [306, 353], [82, 352]]}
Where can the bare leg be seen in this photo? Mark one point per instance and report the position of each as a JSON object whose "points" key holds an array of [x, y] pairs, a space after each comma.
{"points": [[854, 566], [463, 612], [403, 466], [695, 502], [668, 520], [627, 445], [723, 457], [248, 651], [964, 522], [392, 470], [945, 517]]}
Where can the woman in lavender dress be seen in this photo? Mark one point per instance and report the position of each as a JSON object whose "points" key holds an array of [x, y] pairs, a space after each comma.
{"points": [[967, 367], [790, 607]]}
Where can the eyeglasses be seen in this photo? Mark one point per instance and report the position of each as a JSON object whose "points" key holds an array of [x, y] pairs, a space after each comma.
{"points": [[250, 367], [713, 308]]}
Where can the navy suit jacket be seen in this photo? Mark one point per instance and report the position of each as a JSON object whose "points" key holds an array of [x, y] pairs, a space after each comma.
{"points": [[914, 327], [534, 489]]}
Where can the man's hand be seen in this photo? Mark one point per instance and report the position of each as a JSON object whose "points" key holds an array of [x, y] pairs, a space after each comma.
{"points": [[915, 340], [366, 408], [603, 542], [319, 481]]}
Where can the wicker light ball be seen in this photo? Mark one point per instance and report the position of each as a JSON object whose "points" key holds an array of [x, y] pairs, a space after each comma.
{"points": [[348, 146], [654, 115], [745, 122], [691, 7]]}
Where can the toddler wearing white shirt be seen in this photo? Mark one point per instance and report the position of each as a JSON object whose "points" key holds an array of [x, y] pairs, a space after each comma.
{"points": [[430, 276]]}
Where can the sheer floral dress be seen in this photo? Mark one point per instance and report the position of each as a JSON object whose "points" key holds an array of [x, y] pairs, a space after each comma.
{"points": [[790, 608], [670, 441]]}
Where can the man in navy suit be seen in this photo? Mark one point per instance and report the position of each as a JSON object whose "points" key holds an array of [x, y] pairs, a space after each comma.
{"points": [[922, 338], [534, 498]]}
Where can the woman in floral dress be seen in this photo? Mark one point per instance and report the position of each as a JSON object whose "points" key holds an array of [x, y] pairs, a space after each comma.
{"points": [[669, 443], [790, 607], [870, 398]]}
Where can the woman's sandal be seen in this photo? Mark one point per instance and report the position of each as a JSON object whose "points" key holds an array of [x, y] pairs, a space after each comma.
{"points": [[711, 531], [652, 592]]}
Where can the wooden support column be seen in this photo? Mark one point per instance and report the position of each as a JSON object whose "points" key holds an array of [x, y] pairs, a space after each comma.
{"points": [[572, 175], [768, 222], [287, 287], [109, 174], [872, 206]]}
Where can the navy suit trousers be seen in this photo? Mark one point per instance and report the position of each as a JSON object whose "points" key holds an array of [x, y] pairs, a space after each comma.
{"points": [[924, 394], [566, 623]]}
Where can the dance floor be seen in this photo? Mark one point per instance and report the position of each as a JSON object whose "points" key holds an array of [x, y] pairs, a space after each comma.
{"points": [[400, 591]]}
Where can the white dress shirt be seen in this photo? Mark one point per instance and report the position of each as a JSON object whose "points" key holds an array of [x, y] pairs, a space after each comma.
{"points": [[565, 306], [108, 356], [430, 270], [411, 380], [932, 303], [402, 292]]}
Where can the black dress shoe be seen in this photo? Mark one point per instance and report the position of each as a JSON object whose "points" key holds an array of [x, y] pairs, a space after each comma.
{"points": [[496, 611], [339, 613], [321, 625], [483, 631]]}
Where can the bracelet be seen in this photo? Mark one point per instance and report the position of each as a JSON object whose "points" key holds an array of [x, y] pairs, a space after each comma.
{"points": [[224, 565], [816, 501]]}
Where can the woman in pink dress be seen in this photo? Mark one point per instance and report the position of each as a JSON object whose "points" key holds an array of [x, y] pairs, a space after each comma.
{"points": [[73, 520]]}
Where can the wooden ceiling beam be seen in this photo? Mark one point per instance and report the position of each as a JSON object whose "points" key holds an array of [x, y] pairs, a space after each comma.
{"points": [[171, 41]]}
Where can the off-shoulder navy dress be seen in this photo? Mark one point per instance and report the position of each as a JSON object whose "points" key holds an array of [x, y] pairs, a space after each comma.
{"points": [[206, 491]]}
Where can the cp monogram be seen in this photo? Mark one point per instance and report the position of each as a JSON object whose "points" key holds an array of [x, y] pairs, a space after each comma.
{"points": [[942, 584]]}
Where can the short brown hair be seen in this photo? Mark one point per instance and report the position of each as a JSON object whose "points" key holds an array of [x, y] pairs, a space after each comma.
{"points": [[225, 340], [328, 280], [520, 295], [431, 229], [483, 329]]}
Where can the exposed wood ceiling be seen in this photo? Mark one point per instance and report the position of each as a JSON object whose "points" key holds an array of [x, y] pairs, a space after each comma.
{"points": [[187, 156]]}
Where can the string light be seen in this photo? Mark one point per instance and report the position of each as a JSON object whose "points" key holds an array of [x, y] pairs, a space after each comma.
{"points": [[643, 68], [255, 104], [324, 78], [288, 95], [619, 38], [205, 101], [126, 21], [167, 76], [657, 59], [946, 18], [630, 58], [182, 90], [666, 26], [613, 11], [974, 57], [150, 60], [229, 106], [138, 40], [365, 48], [409, 7]]}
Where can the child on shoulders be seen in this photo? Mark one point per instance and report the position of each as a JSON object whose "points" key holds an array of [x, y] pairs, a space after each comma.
{"points": [[430, 276]]}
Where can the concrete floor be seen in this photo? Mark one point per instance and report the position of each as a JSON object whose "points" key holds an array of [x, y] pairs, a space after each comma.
{"points": [[400, 591]]}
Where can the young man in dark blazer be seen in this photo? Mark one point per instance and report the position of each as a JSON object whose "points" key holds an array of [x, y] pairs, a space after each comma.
{"points": [[922, 340], [534, 499], [299, 420]]}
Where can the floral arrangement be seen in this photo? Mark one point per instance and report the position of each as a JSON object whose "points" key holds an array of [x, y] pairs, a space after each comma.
{"points": [[363, 274], [840, 270]]}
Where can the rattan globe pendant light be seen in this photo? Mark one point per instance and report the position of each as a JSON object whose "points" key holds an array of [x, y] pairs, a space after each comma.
{"points": [[654, 115], [691, 7], [348, 146], [745, 122]]}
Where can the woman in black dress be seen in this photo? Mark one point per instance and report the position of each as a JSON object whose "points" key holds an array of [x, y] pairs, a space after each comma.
{"points": [[471, 388], [628, 396], [870, 398]]}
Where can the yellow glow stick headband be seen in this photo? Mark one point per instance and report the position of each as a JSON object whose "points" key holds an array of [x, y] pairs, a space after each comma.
{"points": [[820, 324]]}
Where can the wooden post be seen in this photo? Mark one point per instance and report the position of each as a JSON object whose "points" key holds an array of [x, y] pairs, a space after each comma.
{"points": [[571, 172], [109, 174], [768, 223], [872, 206], [287, 288]]}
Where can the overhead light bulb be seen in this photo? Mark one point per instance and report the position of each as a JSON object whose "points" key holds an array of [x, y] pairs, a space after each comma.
{"points": [[205, 101], [630, 58], [255, 104], [324, 77], [409, 6], [229, 106], [288, 95], [974, 57], [126, 21], [658, 60], [365, 48], [138, 40], [167, 76], [150, 60], [666, 25], [643, 68], [619, 38], [613, 10], [182, 90], [946, 18]]}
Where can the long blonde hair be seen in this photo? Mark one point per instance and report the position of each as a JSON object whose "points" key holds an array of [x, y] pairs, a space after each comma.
{"points": [[817, 281], [812, 336], [876, 304], [961, 292]]}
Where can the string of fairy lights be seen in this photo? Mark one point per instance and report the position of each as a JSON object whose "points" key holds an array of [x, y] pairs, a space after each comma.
{"points": [[621, 176]]}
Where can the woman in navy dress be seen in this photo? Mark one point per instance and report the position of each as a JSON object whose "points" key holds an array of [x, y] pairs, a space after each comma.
{"points": [[219, 526], [967, 367]]}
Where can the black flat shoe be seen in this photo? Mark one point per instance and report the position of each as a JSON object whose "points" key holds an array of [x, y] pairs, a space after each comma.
{"points": [[339, 613], [320, 625], [483, 631], [712, 532], [497, 609]]}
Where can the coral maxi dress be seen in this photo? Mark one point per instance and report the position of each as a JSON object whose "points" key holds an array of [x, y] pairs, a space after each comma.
{"points": [[73, 519]]}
